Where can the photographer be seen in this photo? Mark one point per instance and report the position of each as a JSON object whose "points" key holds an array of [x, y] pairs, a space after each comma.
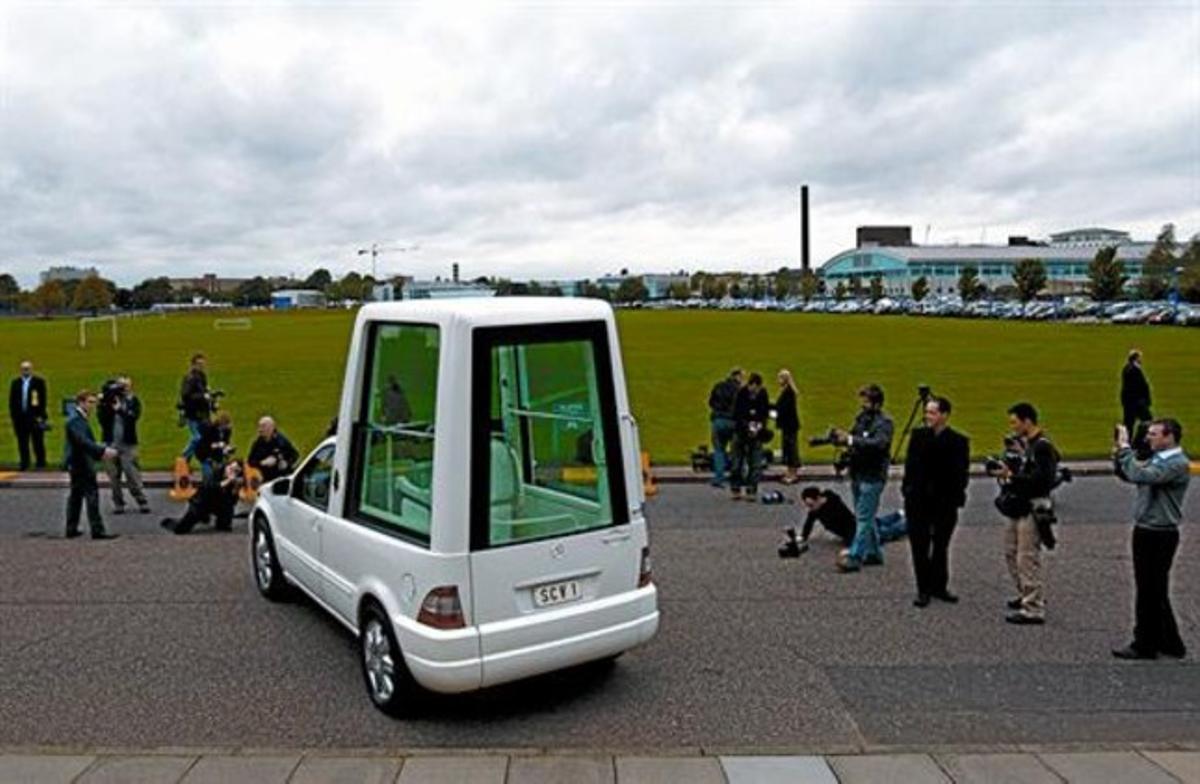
{"points": [[936, 474], [1027, 476], [195, 403], [1161, 485], [215, 445], [119, 412], [272, 453], [27, 409], [721, 403], [217, 497], [750, 429], [869, 445]]}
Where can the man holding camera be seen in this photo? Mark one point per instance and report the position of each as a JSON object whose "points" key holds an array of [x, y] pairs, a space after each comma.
{"points": [[272, 453], [79, 459], [216, 498], [869, 445], [721, 403], [750, 424], [119, 412], [1027, 480], [936, 474], [27, 409], [1161, 484]]}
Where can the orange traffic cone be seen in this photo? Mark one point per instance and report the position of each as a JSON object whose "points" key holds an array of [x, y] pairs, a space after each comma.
{"points": [[183, 488], [649, 487]]}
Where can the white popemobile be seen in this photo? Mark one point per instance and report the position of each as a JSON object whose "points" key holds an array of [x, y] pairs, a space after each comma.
{"points": [[478, 516]]}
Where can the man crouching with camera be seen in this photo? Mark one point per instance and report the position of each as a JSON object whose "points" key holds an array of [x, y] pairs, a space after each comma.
{"points": [[869, 446], [1027, 472]]}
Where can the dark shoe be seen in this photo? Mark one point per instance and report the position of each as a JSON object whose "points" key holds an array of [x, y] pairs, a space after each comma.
{"points": [[1130, 652], [1021, 619], [105, 536], [922, 600], [144, 509], [1014, 604], [752, 497], [847, 565], [72, 534], [945, 596], [874, 560], [118, 510], [1179, 654], [167, 523], [223, 527]]}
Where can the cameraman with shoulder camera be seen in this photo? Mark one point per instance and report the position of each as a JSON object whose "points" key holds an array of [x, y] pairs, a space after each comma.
{"points": [[119, 412], [750, 426], [1161, 484], [869, 446], [936, 475], [1027, 474]]}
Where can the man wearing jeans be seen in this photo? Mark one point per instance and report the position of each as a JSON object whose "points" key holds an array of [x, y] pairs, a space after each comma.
{"points": [[721, 402], [1161, 484], [869, 441], [195, 403], [120, 410]]}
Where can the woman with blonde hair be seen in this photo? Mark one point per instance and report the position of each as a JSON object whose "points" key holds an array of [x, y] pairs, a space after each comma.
{"points": [[787, 419]]}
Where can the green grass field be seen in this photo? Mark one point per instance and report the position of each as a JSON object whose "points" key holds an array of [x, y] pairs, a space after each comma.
{"points": [[291, 364]]}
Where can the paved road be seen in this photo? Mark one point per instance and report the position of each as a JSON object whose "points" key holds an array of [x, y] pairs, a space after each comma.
{"points": [[160, 640]]}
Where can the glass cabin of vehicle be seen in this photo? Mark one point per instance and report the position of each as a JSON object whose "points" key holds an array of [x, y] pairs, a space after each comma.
{"points": [[478, 517]]}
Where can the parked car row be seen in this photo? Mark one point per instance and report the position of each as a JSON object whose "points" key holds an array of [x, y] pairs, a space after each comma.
{"points": [[1069, 309]]}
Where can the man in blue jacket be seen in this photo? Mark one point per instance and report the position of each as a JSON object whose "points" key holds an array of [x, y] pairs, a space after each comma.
{"points": [[79, 459], [1161, 485]]}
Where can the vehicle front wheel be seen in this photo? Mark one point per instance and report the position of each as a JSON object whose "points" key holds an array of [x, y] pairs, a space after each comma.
{"points": [[389, 683], [268, 575]]}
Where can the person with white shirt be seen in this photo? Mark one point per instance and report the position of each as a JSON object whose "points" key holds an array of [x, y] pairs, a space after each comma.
{"points": [[27, 409]]}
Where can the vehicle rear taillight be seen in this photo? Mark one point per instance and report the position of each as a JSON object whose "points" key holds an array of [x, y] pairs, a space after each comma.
{"points": [[442, 609], [644, 573]]}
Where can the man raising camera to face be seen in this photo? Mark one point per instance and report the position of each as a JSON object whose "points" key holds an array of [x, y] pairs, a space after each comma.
{"points": [[869, 445]]}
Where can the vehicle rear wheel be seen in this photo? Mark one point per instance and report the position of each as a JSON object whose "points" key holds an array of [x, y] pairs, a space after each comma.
{"points": [[389, 683], [268, 575]]}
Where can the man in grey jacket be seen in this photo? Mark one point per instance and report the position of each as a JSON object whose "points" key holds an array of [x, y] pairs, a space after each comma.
{"points": [[1161, 484]]}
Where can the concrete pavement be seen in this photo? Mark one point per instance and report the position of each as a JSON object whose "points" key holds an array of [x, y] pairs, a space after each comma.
{"points": [[1140, 766]]}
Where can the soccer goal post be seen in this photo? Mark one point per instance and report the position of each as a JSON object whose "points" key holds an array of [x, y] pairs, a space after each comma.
{"points": [[232, 323], [85, 321]]}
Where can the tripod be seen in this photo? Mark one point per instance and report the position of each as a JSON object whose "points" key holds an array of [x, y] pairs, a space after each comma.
{"points": [[923, 395]]}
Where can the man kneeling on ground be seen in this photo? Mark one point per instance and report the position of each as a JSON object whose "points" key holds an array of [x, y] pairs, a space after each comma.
{"points": [[827, 508], [216, 497]]}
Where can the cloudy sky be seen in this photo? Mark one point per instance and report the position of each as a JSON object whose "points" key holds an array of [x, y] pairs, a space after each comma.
{"points": [[551, 140]]}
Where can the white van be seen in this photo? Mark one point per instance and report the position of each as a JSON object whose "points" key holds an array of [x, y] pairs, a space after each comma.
{"points": [[478, 516]]}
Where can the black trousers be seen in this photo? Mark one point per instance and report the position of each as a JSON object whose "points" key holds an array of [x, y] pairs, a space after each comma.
{"points": [[84, 491], [27, 430], [1155, 630], [929, 532]]}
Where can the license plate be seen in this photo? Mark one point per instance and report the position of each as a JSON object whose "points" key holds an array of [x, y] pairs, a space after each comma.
{"points": [[556, 593]]}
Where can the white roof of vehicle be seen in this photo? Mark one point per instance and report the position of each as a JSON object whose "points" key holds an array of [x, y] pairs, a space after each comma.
{"points": [[497, 311]]}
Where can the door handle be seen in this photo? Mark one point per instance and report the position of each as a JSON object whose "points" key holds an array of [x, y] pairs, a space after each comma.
{"points": [[616, 538]]}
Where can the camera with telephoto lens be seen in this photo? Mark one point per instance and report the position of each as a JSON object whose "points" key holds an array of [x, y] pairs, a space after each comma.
{"points": [[829, 439], [213, 399], [1012, 457]]}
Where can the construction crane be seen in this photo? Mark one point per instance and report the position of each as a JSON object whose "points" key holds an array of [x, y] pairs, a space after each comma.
{"points": [[376, 249]]}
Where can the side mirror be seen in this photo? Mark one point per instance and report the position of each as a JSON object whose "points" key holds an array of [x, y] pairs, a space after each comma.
{"points": [[281, 486]]}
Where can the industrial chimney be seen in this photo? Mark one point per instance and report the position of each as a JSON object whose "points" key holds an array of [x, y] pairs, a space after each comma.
{"points": [[804, 261]]}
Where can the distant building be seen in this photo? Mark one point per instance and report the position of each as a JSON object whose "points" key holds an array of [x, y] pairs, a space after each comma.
{"points": [[210, 284], [658, 286], [66, 273], [431, 289], [287, 299], [1066, 257], [888, 236]]}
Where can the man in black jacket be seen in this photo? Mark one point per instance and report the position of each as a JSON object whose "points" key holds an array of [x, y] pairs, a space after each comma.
{"points": [[272, 453], [1135, 397], [79, 459], [721, 402], [216, 497], [215, 445], [750, 421], [1029, 486], [119, 412], [936, 474], [195, 403], [27, 409]]}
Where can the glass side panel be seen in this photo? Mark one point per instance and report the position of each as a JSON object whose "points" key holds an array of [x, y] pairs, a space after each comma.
{"points": [[396, 437], [548, 469]]}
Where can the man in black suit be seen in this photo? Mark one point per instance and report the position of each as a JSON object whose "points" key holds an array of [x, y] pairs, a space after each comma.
{"points": [[79, 459], [935, 488], [1135, 400], [27, 408]]}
